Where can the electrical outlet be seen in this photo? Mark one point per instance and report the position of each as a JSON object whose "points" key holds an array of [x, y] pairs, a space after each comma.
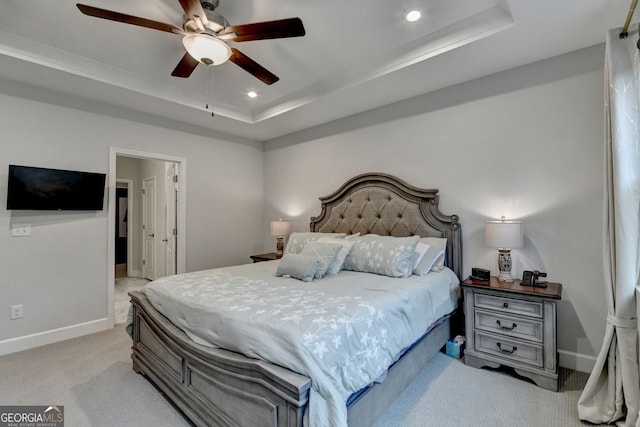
{"points": [[21, 230], [16, 312]]}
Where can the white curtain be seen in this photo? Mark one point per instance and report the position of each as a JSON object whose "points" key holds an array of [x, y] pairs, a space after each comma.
{"points": [[612, 391]]}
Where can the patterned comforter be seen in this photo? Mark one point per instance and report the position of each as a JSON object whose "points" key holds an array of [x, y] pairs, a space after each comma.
{"points": [[342, 331]]}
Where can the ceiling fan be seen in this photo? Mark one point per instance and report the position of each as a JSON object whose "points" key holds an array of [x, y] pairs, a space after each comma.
{"points": [[206, 35]]}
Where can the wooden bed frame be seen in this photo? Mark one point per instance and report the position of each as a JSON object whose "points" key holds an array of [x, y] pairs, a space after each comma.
{"points": [[219, 387]]}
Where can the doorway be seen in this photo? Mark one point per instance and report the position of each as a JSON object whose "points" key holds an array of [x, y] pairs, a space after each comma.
{"points": [[164, 217]]}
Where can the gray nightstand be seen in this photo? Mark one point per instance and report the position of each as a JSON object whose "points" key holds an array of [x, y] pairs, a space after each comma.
{"points": [[513, 325]]}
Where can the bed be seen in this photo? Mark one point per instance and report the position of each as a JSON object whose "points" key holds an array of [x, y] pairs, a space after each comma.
{"points": [[214, 386]]}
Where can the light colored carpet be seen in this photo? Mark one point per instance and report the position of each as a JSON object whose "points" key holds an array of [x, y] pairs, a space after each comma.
{"points": [[92, 377], [127, 397], [449, 393]]}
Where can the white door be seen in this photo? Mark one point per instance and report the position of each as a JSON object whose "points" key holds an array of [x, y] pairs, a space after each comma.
{"points": [[171, 227], [149, 227]]}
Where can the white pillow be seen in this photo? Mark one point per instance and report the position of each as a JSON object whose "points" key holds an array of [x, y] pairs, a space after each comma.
{"points": [[347, 244], [324, 252], [421, 248], [433, 259], [440, 243]]}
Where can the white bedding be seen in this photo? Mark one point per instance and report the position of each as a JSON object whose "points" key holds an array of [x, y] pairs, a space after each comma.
{"points": [[342, 331]]}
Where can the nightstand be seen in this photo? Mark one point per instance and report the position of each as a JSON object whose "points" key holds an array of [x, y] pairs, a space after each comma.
{"points": [[513, 325], [264, 257]]}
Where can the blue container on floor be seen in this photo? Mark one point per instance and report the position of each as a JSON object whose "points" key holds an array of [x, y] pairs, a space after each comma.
{"points": [[455, 349]]}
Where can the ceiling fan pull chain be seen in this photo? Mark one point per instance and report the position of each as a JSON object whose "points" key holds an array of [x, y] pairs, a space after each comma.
{"points": [[207, 90], [210, 68]]}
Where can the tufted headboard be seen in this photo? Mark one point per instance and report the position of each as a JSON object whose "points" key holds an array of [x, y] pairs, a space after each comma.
{"points": [[383, 204]]}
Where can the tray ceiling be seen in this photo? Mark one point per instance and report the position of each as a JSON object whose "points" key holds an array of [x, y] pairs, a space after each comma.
{"points": [[355, 56]]}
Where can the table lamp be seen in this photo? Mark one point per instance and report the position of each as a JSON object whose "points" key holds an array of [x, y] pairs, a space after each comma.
{"points": [[503, 235], [280, 229]]}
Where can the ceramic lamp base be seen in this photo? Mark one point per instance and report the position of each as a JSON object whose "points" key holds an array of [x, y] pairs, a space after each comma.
{"points": [[504, 265], [279, 247]]}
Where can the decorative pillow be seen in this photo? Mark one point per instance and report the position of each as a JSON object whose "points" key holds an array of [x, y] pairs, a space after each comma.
{"points": [[439, 242], [421, 248], [324, 252], [298, 266], [428, 261], [385, 255], [297, 240], [433, 259], [346, 244]]}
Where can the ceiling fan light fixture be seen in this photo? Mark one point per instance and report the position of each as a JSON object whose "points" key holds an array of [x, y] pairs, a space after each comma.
{"points": [[206, 48]]}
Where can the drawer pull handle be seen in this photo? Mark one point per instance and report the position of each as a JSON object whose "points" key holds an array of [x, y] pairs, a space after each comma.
{"points": [[507, 328], [505, 305], [513, 349]]}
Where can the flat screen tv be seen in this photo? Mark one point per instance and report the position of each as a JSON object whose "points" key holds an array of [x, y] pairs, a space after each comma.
{"points": [[32, 188]]}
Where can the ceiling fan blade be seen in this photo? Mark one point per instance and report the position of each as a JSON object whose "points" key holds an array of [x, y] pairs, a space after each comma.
{"points": [[291, 27], [252, 67], [128, 19], [193, 9], [185, 67]]}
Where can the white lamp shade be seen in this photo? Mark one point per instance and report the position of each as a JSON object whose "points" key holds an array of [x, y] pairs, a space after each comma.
{"points": [[280, 228], [503, 234], [206, 48]]}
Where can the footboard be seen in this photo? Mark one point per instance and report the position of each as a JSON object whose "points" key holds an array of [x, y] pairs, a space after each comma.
{"points": [[214, 386]]}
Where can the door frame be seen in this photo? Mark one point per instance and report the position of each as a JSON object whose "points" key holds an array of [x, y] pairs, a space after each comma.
{"points": [[128, 184], [181, 265]]}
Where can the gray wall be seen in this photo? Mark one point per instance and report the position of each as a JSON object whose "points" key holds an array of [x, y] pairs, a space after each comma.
{"points": [[527, 144], [59, 273]]}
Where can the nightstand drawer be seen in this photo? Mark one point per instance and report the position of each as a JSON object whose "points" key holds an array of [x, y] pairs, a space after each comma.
{"points": [[519, 327], [506, 348], [509, 305]]}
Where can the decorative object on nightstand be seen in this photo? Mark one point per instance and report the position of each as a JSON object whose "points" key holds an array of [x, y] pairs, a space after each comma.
{"points": [[513, 325], [280, 229], [264, 257], [503, 235], [530, 278], [480, 274]]}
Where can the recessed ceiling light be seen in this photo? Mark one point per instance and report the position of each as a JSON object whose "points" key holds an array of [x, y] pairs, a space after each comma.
{"points": [[252, 94], [413, 15]]}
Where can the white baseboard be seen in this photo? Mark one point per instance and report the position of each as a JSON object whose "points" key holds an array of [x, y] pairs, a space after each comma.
{"points": [[13, 345], [576, 361]]}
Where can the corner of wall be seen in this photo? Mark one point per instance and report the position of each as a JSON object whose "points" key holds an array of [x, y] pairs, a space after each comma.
{"points": [[576, 361]]}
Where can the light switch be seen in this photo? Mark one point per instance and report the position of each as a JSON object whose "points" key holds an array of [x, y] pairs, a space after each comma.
{"points": [[21, 230]]}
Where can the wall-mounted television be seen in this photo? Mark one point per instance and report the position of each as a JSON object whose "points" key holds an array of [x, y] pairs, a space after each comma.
{"points": [[33, 188]]}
